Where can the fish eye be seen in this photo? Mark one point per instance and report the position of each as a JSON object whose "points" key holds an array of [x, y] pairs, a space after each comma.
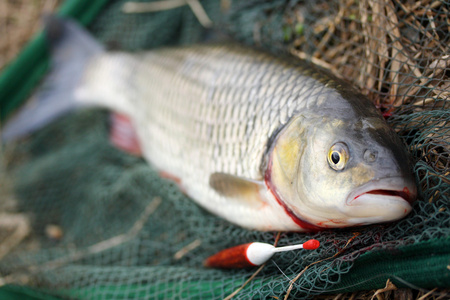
{"points": [[338, 156]]}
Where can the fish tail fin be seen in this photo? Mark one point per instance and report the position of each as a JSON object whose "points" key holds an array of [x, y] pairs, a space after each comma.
{"points": [[104, 77], [71, 49], [67, 86]]}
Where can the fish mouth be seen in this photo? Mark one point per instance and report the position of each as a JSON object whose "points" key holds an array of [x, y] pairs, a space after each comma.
{"points": [[404, 194], [380, 200]]}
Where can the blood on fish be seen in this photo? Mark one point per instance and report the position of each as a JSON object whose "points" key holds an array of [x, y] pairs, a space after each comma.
{"points": [[407, 193], [303, 224], [321, 224]]}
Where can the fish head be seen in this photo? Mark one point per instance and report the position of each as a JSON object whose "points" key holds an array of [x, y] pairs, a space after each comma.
{"points": [[339, 173]]}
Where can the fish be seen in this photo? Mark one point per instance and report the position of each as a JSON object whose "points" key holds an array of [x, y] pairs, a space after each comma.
{"points": [[266, 142]]}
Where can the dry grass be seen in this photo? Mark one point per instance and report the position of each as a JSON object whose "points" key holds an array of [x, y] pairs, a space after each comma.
{"points": [[396, 53], [390, 293], [19, 20]]}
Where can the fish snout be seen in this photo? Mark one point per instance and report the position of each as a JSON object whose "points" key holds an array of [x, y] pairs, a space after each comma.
{"points": [[381, 200]]}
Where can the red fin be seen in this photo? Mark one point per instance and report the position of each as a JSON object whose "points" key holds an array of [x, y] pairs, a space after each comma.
{"points": [[123, 135], [174, 178]]}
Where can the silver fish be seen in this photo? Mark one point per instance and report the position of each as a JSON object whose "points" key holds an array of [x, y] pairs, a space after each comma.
{"points": [[267, 143]]}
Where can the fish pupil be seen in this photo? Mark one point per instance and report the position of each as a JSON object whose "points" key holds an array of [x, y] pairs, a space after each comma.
{"points": [[335, 157]]}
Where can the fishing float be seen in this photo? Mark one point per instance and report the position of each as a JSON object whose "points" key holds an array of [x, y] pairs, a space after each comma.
{"points": [[252, 254]]}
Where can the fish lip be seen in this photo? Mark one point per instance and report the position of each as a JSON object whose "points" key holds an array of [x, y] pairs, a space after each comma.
{"points": [[388, 187]]}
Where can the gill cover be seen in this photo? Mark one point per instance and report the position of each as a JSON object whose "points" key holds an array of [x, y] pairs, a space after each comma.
{"points": [[282, 169]]}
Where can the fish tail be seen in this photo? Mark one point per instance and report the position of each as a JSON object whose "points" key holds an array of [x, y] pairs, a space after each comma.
{"points": [[105, 77], [71, 49], [66, 86]]}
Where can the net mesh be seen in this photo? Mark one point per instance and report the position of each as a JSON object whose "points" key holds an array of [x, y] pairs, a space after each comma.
{"points": [[93, 222]]}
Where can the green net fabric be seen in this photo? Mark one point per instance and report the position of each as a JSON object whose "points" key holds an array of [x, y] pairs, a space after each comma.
{"points": [[101, 224]]}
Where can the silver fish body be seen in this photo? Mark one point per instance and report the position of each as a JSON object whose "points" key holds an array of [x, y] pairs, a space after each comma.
{"points": [[211, 116]]}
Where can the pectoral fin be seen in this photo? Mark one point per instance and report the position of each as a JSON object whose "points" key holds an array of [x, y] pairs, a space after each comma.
{"points": [[244, 190]]}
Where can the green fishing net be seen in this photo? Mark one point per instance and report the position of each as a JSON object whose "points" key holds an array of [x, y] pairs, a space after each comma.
{"points": [[82, 219]]}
